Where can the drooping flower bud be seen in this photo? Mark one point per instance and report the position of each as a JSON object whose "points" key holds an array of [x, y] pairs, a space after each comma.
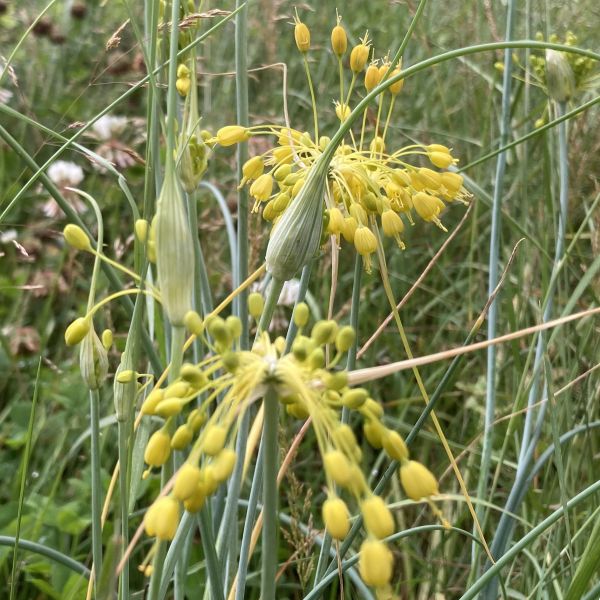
{"points": [[377, 517], [186, 481], [162, 518], [375, 563], [295, 237], [360, 55], [174, 252], [158, 449], [336, 518], [76, 331], [75, 236], [417, 480], [231, 135]]}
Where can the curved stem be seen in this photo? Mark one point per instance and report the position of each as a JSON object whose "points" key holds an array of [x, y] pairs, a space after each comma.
{"points": [[270, 462], [493, 274], [96, 485], [51, 553]]}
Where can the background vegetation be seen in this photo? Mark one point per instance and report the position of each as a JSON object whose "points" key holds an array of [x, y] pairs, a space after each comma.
{"points": [[63, 76]]}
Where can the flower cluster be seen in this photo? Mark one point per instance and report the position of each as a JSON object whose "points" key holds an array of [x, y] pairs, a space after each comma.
{"points": [[213, 394], [368, 185]]}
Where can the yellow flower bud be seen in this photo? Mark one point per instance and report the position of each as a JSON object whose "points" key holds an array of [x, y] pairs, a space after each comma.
{"points": [[360, 55], [339, 40], [182, 437], [219, 332], [196, 419], [262, 188], [302, 36], [375, 563], [301, 314], [396, 88], [183, 86], [428, 207], [186, 481], [336, 518], [214, 440], [224, 464], [256, 304], [297, 410], [417, 480], [452, 182], [354, 399], [76, 237], [336, 381], [324, 332], [107, 339], [282, 172], [349, 229], [126, 376], [377, 146], [392, 226], [178, 389], [252, 169], [342, 111], [151, 401], [337, 467], [438, 148], [440, 159], [429, 178], [193, 375], [162, 518], [193, 322], [169, 407], [231, 135], [374, 432], [281, 202], [345, 338], [158, 449], [182, 71], [377, 517], [234, 325], [394, 445], [365, 241], [76, 331], [372, 77], [195, 502]]}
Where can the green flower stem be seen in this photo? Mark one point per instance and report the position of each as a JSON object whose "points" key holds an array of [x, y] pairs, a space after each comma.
{"points": [[212, 562], [251, 511], [270, 304], [23, 484], [240, 263], [530, 438], [96, 485], [51, 553], [123, 435], [493, 275], [252, 504], [270, 526]]}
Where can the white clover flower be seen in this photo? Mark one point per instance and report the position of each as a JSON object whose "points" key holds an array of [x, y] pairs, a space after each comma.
{"points": [[109, 126], [64, 173], [289, 293]]}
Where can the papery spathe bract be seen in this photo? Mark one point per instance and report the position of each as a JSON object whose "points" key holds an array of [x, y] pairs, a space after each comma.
{"points": [[295, 237], [174, 252]]}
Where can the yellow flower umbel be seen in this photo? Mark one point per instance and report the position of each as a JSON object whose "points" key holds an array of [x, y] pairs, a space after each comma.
{"points": [[209, 399], [364, 188]]}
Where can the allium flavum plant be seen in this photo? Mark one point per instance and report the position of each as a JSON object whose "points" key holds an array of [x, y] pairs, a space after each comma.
{"points": [[196, 424]]}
